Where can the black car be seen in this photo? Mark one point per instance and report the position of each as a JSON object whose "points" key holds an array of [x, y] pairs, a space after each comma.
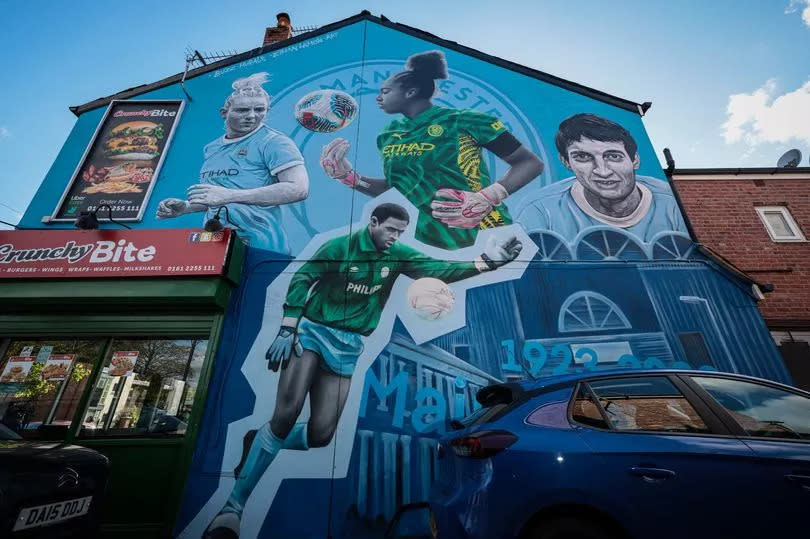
{"points": [[49, 489]]}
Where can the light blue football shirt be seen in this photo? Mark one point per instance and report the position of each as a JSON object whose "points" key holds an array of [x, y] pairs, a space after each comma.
{"points": [[556, 209], [247, 163]]}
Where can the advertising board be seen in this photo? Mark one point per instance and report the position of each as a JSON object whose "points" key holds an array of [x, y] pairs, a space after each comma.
{"points": [[122, 161], [122, 363], [57, 367]]}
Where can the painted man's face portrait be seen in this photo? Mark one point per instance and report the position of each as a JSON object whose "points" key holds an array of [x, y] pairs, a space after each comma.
{"points": [[244, 115], [603, 168], [385, 234]]}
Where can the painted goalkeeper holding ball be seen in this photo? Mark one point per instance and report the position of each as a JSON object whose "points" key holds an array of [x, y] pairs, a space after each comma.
{"points": [[433, 156], [334, 300]]}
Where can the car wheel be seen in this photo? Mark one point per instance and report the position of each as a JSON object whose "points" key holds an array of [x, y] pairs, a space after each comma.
{"points": [[569, 528]]}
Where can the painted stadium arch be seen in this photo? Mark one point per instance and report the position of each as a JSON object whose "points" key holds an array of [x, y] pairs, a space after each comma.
{"points": [[472, 222]]}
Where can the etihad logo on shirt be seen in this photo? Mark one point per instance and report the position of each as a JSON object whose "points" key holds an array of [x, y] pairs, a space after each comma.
{"points": [[207, 174], [407, 150], [363, 289]]}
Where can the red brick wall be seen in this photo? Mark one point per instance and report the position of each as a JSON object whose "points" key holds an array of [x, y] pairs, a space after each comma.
{"points": [[723, 216]]}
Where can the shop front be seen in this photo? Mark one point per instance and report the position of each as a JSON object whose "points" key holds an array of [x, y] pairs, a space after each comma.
{"points": [[115, 352]]}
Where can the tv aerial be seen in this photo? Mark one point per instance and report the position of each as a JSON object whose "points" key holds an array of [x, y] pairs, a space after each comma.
{"points": [[790, 159]]}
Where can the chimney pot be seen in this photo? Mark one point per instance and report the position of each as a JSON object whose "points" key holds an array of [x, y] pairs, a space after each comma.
{"points": [[280, 32]]}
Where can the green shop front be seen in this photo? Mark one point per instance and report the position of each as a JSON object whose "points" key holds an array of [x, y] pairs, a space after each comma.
{"points": [[107, 340]]}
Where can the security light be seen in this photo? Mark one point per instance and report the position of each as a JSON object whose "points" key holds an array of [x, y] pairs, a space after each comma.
{"points": [[88, 220]]}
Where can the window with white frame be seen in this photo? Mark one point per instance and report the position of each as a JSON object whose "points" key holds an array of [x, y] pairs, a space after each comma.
{"points": [[779, 223]]}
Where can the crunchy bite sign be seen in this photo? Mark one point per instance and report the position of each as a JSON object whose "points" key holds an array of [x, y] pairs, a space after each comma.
{"points": [[100, 251]]}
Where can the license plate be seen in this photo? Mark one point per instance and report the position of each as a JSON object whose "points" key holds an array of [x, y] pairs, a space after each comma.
{"points": [[51, 513]]}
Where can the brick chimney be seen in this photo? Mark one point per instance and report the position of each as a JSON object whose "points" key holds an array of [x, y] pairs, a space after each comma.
{"points": [[280, 32]]}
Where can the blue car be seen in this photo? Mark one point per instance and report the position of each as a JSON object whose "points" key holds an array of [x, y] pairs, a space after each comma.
{"points": [[628, 454]]}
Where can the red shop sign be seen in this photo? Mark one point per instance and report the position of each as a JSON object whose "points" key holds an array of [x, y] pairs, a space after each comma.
{"points": [[112, 253]]}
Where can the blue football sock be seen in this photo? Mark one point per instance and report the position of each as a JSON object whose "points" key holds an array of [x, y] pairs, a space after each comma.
{"points": [[297, 438], [263, 450]]}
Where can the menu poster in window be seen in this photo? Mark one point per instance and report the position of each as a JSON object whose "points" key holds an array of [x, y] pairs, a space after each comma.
{"points": [[16, 369], [122, 161], [122, 363], [57, 367]]}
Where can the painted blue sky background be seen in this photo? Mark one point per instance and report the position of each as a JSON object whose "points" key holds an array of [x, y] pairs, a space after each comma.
{"points": [[729, 79]]}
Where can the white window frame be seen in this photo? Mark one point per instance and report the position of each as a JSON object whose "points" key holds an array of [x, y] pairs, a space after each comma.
{"points": [[797, 233]]}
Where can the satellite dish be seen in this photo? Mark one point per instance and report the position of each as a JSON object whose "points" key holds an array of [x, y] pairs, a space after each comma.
{"points": [[790, 159]]}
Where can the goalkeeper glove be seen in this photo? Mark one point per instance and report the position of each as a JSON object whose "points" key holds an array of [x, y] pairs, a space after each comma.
{"points": [[281, 349], [498, 253], [466, 209], [335, 164]]}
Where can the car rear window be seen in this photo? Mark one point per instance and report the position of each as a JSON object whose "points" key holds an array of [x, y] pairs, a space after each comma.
{"points": [[587, 411], [642, 403]]}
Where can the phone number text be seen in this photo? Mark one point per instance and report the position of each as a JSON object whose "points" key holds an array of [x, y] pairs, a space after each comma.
{"points": [[192, 268]]}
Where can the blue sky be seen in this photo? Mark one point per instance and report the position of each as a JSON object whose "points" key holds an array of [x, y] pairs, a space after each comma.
{"points": [[729, 79]]}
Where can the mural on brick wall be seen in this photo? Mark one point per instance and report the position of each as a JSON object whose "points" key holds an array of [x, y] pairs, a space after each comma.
{"points": [[421, 224]]}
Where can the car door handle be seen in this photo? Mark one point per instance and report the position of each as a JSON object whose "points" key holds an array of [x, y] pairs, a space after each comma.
{"points": [[651, 473]]}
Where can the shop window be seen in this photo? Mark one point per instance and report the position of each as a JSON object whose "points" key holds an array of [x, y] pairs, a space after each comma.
{"points": [[780, 223], [41, 383], [146, 388]]}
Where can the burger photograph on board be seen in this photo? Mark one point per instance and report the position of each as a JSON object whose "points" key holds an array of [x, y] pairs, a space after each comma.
{"points": [[136, 140]]}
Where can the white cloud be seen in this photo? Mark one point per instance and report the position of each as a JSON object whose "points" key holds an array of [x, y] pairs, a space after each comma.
{"points": [[803, 5], [763, 117], [4, 132]]}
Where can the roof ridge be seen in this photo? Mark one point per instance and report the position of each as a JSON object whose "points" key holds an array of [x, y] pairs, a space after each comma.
{"points": [[365, 15]]}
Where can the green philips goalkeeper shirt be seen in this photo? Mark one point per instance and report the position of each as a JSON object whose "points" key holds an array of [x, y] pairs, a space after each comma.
{"points": [[350, 272], [440, 148]]}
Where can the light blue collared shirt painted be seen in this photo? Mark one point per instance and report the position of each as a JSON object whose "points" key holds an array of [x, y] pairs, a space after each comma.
{"points": [[556, 209], [248, 162]]}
